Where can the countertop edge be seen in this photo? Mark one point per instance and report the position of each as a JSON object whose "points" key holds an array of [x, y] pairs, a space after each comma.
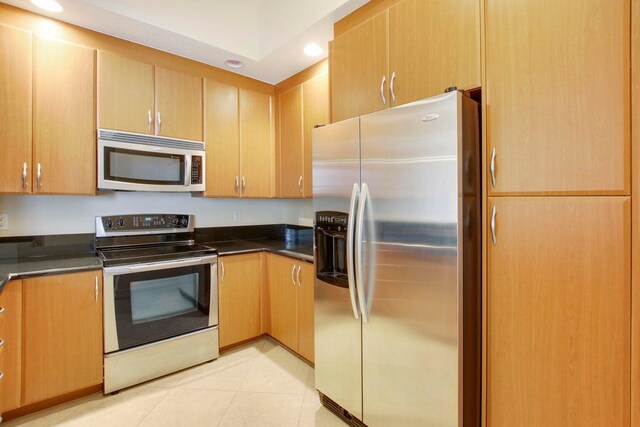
{"points": [[21, 275]]}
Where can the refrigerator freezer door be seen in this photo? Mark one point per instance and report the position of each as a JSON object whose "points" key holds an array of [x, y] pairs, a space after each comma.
{"points": [[410, 263], [338, 353]]}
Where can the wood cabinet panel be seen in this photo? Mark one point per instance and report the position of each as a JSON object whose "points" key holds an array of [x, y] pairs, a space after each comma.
{"points": [[557, 96], [291, 145], [558, 312], [284, 300], [257, 147], [433, 45], [15, 109], [305, 311], [11, 348], [178, 104], [62, 327], [125, 94], [239, 293], [222, 139], [315, 107], [358, 61], [64, 126]]}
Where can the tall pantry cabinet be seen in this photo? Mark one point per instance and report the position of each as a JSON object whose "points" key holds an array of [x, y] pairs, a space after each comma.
{"points": [[558, 267]]}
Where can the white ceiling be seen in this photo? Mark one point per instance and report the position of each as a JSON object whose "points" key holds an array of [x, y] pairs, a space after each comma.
{"points": [[267, 35]]}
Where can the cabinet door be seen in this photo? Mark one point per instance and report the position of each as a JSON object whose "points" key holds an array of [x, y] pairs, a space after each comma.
{"points": [[178, 105], [239, 293], [305, 311], [64, 123], [125, 94], [256, 144], [433, 45], [11, 348], [62, 334], [222, 140], [15, 110], [284, 300], [291, 147], [557, 93], [558, 312], [315, 105], [358, 62]]}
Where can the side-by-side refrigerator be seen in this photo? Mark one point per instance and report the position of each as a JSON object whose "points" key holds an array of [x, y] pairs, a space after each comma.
{"points": [[397, 206]]}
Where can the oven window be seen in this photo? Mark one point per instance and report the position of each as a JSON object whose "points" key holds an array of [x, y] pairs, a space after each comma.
{"points": [[143, 167], [154, 305]]}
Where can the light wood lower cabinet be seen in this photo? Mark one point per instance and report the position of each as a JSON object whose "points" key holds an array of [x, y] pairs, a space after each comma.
{"points": [[558, 312], [306, 347], [11, 347], [62, 333], [239, 288]]}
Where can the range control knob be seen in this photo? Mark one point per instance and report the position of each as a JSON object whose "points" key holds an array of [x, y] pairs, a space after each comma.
{"points": [[174, 220], [120, 222], [108, 223], [184, 221]]}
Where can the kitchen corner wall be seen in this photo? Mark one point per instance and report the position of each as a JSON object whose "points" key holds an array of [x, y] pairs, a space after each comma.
{"points": [[36, 215]]}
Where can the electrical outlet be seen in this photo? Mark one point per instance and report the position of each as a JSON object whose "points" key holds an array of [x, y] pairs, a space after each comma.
{"points": [[236, 215], [4, 221]]}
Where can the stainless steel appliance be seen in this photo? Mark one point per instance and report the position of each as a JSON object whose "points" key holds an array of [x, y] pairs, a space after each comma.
{"points": [[398, 330], [160, 297], [138, 162]]}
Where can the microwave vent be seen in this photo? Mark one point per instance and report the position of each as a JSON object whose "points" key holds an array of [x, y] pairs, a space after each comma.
{"points": [[150, 140]]}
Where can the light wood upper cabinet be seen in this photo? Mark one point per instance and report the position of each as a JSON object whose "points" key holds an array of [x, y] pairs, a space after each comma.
{"points": [[64, 126], [433, 45], [239, 297], [15, 110], [284, 299], [315, 108], [222, 140], [125, 94], [306, 322], [62, 334], [178, 104], [557, 95], [558, 312], [11, 348], [358, 63], [257, 145], [291, 145]]}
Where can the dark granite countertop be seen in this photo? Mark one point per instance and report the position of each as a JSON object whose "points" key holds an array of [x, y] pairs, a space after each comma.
{"points": [[302, 251]]}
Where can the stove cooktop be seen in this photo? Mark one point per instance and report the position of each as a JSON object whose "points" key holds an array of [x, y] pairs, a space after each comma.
{"points": [[146, 254]]}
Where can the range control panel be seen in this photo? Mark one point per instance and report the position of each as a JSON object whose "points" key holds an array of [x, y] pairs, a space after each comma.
{"points": [[145, 223]]}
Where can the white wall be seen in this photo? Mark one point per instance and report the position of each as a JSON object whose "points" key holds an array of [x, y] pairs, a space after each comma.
{"points": [[35, 215]]}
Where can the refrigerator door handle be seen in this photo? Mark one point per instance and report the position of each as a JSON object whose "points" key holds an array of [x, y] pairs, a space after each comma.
{"points": [[358, 252], [351, 277]]}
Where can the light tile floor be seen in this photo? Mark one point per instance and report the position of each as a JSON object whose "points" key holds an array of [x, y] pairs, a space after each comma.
{"points": [[259, 384]]}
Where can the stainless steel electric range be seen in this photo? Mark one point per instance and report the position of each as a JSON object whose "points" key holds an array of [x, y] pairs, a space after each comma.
{"points": [[160, 297]]}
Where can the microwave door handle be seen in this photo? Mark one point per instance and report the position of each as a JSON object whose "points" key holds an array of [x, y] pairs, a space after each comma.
{"points": [[187, 170]]}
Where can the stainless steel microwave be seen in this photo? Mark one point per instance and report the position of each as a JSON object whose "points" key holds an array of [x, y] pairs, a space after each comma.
{"points": [[137, 162]]}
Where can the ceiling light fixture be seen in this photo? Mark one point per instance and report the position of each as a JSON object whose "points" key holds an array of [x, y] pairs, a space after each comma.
{"points": [[234, 63], [312, 49], [48, 5]]}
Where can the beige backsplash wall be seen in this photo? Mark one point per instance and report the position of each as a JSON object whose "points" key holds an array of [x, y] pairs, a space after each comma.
{"points": [[35, 215]]}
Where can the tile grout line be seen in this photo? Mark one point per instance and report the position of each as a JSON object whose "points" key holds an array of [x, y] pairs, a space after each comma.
{"points": [[154, 407]]}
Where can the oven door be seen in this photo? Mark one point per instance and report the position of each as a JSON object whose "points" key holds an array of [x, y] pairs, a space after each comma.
{"points": [[145, 303]]}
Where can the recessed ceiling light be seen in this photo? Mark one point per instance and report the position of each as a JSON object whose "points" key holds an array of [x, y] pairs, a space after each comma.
{"points": [[312, 49], [48, 5], [234, 63]]}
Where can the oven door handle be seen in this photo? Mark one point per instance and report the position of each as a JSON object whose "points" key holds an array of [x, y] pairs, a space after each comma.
{"points": [[159, 265]]}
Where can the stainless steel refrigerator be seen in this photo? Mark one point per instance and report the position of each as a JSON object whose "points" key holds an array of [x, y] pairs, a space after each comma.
{"points": [[397, 249]]}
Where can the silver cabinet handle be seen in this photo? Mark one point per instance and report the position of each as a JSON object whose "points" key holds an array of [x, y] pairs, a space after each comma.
{"points": [[222, 270], [1, 342], [384, 99], [300, 183], [1, 310], [159, 120], [244, 185], [293, 269], [492, 167], [358, 252], [393, 94], [97, 288], [39, 176], [149, 120], [1, 375], [298, 275], [493, 225], [351, 277], [237, 185], [24, 175]]}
